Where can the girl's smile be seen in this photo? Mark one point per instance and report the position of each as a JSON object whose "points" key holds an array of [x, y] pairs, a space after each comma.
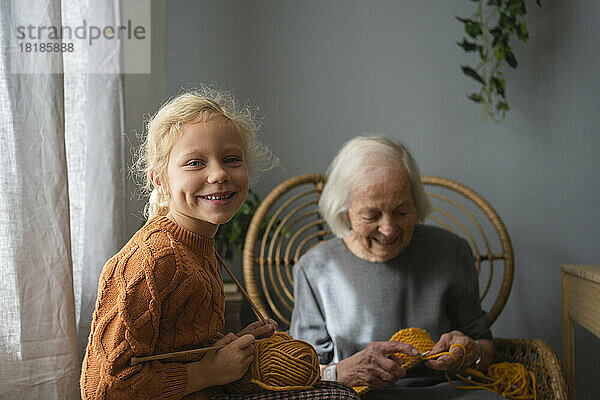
{"points": [[207, 177]]}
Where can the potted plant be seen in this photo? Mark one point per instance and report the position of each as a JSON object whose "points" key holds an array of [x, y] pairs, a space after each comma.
{"points": [[229, 240]]}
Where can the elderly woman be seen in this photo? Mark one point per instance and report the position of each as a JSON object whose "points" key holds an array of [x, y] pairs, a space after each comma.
{"points": [[383, 272]]}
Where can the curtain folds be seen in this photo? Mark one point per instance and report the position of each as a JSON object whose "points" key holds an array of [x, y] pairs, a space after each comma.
{"points": [[62, 199], [105, 192], [37, 330]]}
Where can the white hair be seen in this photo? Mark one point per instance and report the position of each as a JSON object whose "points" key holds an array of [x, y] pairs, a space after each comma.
{"points": [[358, 156]]}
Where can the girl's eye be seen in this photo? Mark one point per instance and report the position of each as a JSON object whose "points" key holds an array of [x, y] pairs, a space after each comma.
{"points": [[233, 160], [194, 163]]}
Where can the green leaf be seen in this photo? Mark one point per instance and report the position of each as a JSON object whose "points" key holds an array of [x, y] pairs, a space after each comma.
{"points": [[236, 231], [483, 53], [510, 58], [473, 28], [502, 105], [477, 98], [468, 46], [517, 7], [522, 32], [497, 34], [499, 53], [245, 208], [507, 22], [499, 85], [472, 73]]}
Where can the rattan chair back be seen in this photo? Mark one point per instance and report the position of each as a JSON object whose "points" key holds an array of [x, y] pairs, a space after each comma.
{"points": [[287, 224]]}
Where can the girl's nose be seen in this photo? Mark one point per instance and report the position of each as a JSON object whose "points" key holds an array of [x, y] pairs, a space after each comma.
{"points": [[217, 174]]}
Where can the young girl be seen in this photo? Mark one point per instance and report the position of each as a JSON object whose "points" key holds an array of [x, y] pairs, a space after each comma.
{"points": [[163, 291]]}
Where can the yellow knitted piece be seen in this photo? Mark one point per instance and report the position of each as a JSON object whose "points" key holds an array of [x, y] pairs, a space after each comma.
{"points": [[280, 363], [511, 380]]}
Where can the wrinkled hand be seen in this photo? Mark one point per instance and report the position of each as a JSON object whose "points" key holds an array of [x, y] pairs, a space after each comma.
{"points": [[260, 330], [445, 362], [376, 365]]}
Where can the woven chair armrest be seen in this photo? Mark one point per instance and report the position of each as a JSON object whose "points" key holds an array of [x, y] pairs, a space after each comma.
{"points": [[540, 359]]}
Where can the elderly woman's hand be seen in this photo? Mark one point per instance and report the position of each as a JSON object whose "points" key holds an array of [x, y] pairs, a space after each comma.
{"points": [[375, 366], [445, 362]]}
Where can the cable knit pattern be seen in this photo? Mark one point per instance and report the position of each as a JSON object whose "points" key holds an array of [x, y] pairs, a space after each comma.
{"points": [[161, 293]]}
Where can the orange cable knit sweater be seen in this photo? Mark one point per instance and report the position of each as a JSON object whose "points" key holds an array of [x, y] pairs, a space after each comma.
{"points": [[161, 293]]}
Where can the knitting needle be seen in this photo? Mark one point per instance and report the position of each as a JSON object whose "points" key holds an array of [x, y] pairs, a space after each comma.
{"points": [[137, 360], [254, 308]]}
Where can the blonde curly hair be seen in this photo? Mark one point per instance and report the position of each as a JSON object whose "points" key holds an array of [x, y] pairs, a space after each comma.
{"points": [[165, 127]]}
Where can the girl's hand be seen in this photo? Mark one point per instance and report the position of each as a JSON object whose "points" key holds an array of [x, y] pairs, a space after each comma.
{"points": [[445, 362], [260, 330], [222, 366], [231, 362]]}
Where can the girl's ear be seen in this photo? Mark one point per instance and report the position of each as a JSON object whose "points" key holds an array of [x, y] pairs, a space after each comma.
{"points": [[158, 183]]}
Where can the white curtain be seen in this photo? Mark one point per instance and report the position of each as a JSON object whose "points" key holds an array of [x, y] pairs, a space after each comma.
{"points": [[62, 197]]}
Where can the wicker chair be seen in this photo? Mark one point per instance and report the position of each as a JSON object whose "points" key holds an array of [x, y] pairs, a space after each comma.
{"points": [[287, 224]]}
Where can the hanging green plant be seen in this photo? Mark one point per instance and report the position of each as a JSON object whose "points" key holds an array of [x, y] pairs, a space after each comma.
{"points": [[489, 31]]}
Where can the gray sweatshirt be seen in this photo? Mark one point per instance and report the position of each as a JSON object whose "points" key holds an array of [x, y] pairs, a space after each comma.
{"points": [[342, 302]]}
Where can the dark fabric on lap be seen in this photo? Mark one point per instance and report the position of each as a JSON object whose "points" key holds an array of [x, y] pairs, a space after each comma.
{"points": [[324, 390], [427, 388]]}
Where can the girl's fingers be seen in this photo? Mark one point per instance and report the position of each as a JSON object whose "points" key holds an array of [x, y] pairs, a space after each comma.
{"points": [[225, 340], [264, 330], [244, 341], [259, 329], [273, 322]]}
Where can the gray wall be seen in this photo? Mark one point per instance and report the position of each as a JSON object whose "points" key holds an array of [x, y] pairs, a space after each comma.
{"points": [[325, 71], [143, 95]]}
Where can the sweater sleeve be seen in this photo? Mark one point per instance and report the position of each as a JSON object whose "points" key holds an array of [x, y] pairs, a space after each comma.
{"points": [[465, 309], [126, 324], [308, 321]]}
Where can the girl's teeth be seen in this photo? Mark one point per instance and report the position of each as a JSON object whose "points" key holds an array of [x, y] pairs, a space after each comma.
{"points": [[218, 197]]}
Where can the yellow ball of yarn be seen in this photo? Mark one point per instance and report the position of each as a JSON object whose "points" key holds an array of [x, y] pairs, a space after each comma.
{"points": [[280, 363]]}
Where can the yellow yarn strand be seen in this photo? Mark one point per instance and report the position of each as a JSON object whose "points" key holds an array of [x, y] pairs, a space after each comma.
{"points": [[511, 380], [281, 363]]}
